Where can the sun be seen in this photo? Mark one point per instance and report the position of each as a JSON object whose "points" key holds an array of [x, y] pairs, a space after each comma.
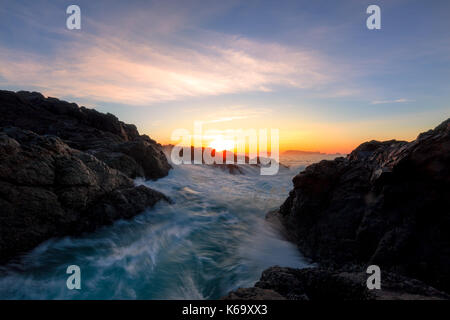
{"points": [[220, 144]]}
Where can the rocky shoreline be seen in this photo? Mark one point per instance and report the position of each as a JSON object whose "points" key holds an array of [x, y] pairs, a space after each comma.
{"points": [[321, 284], [386, 204], [65, 170]]}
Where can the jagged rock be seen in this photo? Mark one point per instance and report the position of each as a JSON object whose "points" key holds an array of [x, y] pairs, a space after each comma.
{"points": [[117, 144], [48, 189], [387, 204], [123, 204], [323, 284]]}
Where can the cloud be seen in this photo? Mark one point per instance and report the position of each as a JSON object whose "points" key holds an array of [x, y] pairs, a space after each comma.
{"points": [[120, 69], [402, 100]]}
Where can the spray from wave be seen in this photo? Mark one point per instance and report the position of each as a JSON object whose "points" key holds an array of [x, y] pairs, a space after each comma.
{"points": [[211, 240]]}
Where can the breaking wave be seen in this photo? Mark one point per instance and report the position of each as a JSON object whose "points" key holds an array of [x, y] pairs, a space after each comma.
{"points": [[212, 239]]}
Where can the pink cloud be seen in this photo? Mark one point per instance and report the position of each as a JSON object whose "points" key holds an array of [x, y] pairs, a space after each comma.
{"points": [[110, 69]]}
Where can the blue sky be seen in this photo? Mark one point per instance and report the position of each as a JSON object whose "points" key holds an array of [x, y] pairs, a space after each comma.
{"points": [[310, 68]]}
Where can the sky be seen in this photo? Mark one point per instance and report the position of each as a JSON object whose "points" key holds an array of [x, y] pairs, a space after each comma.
{"points": [[311, 69]]}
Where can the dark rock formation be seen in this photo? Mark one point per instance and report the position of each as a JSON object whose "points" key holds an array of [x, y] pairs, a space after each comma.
{"points": [[229, 162], [232, 168], [48, 189], [322, 284], [387, 204], [117, 144]]}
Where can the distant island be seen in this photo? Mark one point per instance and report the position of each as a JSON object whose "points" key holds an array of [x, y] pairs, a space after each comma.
{"points": [[302, 152]]}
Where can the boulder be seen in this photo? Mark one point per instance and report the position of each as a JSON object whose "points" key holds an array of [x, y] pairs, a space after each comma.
{"points": [[48, 189], [118, 144], [324, 284], [386, 203]]}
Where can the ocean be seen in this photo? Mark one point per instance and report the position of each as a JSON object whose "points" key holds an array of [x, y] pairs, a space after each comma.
{"points": [[212, 239]]}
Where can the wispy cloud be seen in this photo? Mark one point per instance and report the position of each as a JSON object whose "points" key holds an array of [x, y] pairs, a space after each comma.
{"points": [[402, 100], [112, 69]]}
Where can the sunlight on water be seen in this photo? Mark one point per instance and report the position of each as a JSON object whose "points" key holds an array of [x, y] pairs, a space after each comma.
{"points": [[211, 240]]}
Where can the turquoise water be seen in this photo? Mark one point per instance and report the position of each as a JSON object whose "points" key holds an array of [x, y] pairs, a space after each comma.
{"points": [[211, 240]]}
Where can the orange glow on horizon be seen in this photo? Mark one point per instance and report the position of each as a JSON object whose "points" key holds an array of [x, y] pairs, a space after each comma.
{"points": [[309, 136], [221, 143]]}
